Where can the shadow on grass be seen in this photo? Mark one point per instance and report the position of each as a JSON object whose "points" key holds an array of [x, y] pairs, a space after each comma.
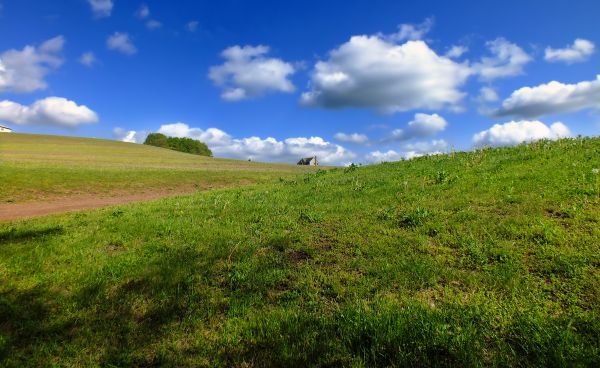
{"points": [[26, 321], [108, 323], [142, 317], [14, 235]]}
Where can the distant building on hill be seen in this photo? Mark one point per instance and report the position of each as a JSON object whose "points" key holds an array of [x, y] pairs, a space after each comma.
{"points": [[4, 129], [312, 161]]}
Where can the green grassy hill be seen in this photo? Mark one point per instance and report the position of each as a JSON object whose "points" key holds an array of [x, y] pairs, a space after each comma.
{"points": [[42, 167], [488, 258]]}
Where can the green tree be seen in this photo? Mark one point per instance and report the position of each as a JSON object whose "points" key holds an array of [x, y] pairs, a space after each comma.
{"points": [[157, 139], [186, 145]]}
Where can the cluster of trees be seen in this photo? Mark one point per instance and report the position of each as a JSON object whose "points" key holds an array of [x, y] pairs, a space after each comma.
{"points": [[187, 145]]}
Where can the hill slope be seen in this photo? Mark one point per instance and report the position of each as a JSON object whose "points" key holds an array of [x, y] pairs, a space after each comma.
{"points": [[44, 168], [470, 259]]}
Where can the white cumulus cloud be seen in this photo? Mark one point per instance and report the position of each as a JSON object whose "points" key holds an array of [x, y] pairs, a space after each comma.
{"points": [[54, 111], [507, 60], [423, 125], [517, 132], [579, 51], [248, 73], [374, 72], [269, 149], [408, 151], [355, 138], [121, 42], [101, 8], [24, 71], [551, 98]]}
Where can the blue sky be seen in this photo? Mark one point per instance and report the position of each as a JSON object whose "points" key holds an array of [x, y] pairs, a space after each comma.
{"points": [[360, 81]]}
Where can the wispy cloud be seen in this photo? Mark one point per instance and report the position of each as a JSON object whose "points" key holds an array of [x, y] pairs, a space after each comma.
{"points": [[88, 59], [121, 42], [101, 8], [579, 51]]}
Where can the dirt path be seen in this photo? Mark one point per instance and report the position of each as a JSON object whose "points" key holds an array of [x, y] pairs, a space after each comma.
{"points": [[18, 211]]}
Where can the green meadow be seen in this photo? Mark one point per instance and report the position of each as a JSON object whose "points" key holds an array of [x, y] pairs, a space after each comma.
{"points": [[485, 258], [34, 167]]}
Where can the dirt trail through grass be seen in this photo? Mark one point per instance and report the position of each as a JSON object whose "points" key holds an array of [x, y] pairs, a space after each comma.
{"points": [[18, 211]]}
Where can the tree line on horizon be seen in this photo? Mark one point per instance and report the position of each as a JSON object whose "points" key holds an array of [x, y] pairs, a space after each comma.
{"points": [[187, 145]]}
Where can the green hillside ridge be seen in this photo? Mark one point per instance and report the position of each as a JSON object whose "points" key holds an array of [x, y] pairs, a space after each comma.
{"points": [[485, 258], [35, 167]]}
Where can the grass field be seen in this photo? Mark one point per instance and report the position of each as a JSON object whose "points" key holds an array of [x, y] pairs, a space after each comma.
{"points": [[38, 167], [487, 258]]}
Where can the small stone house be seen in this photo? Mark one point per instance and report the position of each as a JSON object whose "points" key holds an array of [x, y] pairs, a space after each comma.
{"points": [[4, 129], [311, 161]]}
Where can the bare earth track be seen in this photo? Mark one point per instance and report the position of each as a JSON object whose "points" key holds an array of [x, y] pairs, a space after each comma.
{"points": [[19, 211]]}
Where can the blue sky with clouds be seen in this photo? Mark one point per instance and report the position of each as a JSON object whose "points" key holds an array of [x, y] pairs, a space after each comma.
{"points": [[360, 81]]}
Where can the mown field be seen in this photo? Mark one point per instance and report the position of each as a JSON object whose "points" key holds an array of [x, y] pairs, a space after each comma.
{"points": [[487, 258], [39, 167]]}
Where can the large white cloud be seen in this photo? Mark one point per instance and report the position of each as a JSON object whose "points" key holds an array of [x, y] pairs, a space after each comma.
{"points": [[121, 42], [56, 111], [24, 70], [423, 125], [101, 8], [408, 151], [248, 73], [269, 149], [579, 51], [375, 72], [507, 60], [551, 98], [517, 132]]}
